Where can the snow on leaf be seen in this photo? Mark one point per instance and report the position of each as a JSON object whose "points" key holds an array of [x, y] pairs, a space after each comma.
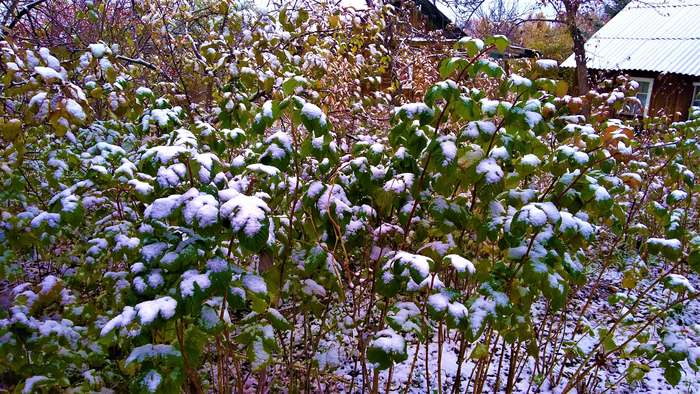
{"points": [[49, 74], [414, 110], [192, 277], [263, 169], [676, 281], [313, 112], [479, 311], [203, 208], [162, 208], [151, 380], [148, 311], [255, 284], [31, 381], [460, 264], [418, 265], [246, 213], [150, 351], [490, 169], [400, 183]]}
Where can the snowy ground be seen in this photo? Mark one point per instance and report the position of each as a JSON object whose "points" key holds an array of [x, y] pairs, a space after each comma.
{"points": [[610, 375], [339, 361]]}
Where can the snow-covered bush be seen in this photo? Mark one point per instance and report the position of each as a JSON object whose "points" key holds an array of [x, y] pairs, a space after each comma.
{"points": [[240, 232]]}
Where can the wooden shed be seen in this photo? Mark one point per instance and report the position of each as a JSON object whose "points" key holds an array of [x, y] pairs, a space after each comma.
{"points": [[657, 43]]}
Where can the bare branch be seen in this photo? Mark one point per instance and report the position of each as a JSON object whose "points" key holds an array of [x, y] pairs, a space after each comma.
{"points": [[22, 12], [137, 61]]}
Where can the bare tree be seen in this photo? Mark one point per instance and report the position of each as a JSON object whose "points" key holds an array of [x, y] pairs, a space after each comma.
{"points": [[570, 14], [465, 9], [13, 12], [499, 17]]}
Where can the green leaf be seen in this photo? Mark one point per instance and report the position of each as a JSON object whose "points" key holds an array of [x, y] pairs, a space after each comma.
{"points": [[472, 45], [672, 373], [499, 41], [480, 351], [669, 248], [387, 347], [451, 66]]}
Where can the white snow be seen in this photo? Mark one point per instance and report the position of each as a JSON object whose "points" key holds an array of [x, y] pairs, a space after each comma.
{"points": [[668, 243], [148, 351], [475, 127], [400, 183], [414, 110], [676, 280], [479, 311], [530, 160], [519, 81], [312, 111], [263, 168], [30, 382], [546, 64], [51, 219], [48, 74], [192, 277], [419, 263], [148, 311], [490, 169], [389, 341], [255, 284], [246, 213], [312, 288], [204, 208], [98, 50], [438, 302], [75, 110], [151, 380], [460, 264], [162, 208]]}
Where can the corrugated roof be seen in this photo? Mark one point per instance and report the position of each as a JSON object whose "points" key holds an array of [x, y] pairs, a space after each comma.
{"points": [[652, 36]]}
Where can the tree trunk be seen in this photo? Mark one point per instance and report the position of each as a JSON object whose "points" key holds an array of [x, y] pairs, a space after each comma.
{"points": [[579, 47], [580, 57]]}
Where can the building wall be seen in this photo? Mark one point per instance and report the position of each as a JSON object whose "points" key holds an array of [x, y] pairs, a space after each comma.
{"points": [[671, 94]]}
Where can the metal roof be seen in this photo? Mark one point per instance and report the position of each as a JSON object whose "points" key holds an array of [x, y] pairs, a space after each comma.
{"points": [[661, 36]]}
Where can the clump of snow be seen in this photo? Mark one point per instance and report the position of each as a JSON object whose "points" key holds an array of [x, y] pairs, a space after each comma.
{"points": [[479, 310], [530, 160], [148, 351], [448, 149], [519, 81], [389, 341], [547, 64], [147, 312], [98, 50], [667, 243], [246, 213], [676, 280], [475, 127], [490, 169], [30, 382], [421, 264], [414, 110], [75, 110], [255, 284], [263, 168], [48, 74], [460, 264], [312, 288], [312, 111], [438, 302], [192, 277], [400, 183], [151, 380]]}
